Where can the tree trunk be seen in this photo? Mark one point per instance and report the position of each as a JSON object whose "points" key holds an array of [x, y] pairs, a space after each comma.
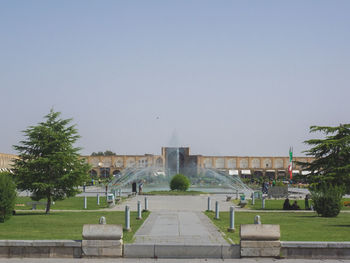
{"points": [[48, 204]]}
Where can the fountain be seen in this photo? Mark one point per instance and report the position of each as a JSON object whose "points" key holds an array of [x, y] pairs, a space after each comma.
{"points": [[158, 178]]}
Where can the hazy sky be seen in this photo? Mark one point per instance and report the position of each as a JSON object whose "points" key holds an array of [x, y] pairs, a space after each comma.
{"points": [[222, 77]]}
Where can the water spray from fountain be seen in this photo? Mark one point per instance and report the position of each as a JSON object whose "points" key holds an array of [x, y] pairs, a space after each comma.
{"points": [[158, 177]]}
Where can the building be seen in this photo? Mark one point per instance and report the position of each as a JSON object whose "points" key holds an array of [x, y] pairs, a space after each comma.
{"points": [[173, 159]]}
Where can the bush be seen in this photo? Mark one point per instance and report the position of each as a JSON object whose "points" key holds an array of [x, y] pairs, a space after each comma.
{"points": [[7, 196], [179, 182], [327, 200]]}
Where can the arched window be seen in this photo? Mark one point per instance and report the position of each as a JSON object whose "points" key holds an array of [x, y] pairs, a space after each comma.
{"points": [[255, 163]]}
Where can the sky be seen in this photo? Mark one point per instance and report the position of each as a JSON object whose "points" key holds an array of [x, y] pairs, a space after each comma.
{"points": [[244, 78]]}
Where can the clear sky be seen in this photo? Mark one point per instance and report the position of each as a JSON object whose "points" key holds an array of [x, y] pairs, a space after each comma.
{"points": [[222, 77]]}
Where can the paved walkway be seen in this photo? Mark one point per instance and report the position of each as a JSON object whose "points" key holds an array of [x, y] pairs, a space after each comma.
{"points": [[186, 228], [150, 260], [196, 203], [178, 220]]}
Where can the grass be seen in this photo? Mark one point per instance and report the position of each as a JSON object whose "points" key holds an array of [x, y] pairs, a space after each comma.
{"points": [[73, 203], [294, 226], [174, 193], [273, 204], [63, 225]]}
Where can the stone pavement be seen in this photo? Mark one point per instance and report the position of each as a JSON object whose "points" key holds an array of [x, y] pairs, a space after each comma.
{"points": [[176, 203], [149, 260], [187, 228]]}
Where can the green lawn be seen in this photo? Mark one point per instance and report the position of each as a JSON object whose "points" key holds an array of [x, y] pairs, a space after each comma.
{"points": [[278, 204], [294, 226], [73, 203], [174, 193], [62, 225]]}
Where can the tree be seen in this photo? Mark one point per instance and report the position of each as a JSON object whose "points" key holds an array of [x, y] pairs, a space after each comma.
{"points": [[332, 157], [179, 182], [49, 165], [7, 196], [327, 199], [106, 153]]}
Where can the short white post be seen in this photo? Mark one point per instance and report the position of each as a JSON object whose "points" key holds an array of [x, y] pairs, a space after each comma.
{"points": [[209, 204], [85, 202], [232, 219], [146, 204], [98, 199], [257, 220], [127, 218], [253, 199], [263, 202], [217, 210], [139, 215]]}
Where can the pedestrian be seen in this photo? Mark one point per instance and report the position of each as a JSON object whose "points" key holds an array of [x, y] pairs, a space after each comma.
{"points": [[307, 202]]}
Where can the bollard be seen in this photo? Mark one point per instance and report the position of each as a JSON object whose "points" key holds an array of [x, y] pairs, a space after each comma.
{"points": [[263, 202], [146, 204], [253, 199], [257, 220], [85, 202], [139, 215], [102, 220], [232, 219], [98, 199], [209, 204], [127, 218], [217, 210]]}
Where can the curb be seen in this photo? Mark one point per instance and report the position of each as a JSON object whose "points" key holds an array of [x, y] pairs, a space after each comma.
{"points": [[181, 251]]}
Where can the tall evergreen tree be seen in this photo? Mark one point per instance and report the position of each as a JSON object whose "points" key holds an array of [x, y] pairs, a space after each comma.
{"points": [[49, 165], [332, 157], [7, 196]]}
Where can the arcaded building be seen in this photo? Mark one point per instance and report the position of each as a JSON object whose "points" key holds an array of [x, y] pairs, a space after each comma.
{"points": [[173, 159]]}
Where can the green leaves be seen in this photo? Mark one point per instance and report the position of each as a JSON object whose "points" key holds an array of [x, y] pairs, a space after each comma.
{"points": [[179, 182], [327, 199], [49, 165], [332, 156], [7, 196]]}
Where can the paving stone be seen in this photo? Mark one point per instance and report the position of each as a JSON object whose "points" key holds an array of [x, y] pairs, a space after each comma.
{"points": [[260, 244], [139, 250], [260, 252], [188, 251], [260, 232], [102, 232], [231, 251]]}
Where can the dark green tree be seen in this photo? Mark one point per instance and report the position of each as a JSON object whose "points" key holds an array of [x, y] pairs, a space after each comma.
{"points": [[106, 153], [7, 196], [97, 154], [49, 165], [179, 182], [332, 157], [109, 153]]}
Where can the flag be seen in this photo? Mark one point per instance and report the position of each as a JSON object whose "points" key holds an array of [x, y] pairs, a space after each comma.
{"points": [[290, 166]]}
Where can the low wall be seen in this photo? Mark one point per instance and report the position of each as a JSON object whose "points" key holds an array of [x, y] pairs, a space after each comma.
{"points": [[73, 249], [40, 248], [315, 250], [181, 251]]}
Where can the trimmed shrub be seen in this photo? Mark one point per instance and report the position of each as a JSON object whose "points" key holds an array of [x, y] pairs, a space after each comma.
{"points": [[7, 196], [179, 182], [327, 200]]}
